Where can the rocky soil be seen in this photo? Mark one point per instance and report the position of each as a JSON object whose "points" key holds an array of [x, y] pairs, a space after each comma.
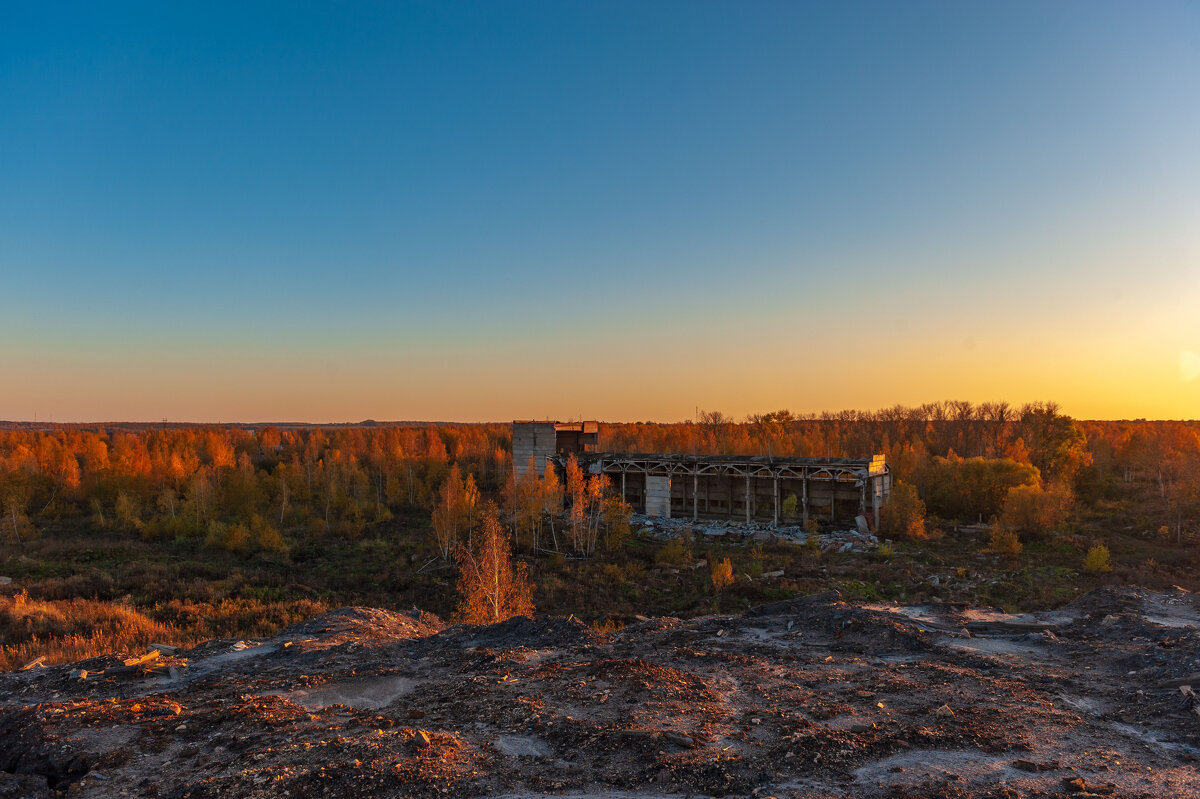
{"points": [[813, 697]]}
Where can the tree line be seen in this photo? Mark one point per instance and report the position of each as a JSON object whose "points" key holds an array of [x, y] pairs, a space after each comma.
{"points": [[254, 489]]}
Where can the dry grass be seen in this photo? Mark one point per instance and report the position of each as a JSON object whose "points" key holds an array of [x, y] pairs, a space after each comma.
{"points": [[64, 631]]}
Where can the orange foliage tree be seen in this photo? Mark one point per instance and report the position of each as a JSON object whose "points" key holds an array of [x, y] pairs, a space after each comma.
{"points": [[490, 588]]}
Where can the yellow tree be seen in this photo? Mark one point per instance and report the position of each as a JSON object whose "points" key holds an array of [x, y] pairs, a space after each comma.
{"points": [[468, 502], [552, 500], [448, 513], [594, 503], [904, 514], [490, 588], [577, 493], [525, 503]]}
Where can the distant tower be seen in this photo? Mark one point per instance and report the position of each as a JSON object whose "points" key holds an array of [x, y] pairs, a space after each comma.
{"points": [[543, 439]]}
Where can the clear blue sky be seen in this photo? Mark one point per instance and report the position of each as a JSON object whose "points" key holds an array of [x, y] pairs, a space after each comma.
{"points": [[289, 210]]}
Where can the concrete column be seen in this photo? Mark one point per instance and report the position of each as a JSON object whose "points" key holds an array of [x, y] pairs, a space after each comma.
{"points": [[804, 489], [695, 496], [623, 497], [776, 500], [833, 500], [747, 499]]}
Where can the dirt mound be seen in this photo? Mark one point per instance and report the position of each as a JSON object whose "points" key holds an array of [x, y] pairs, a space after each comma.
{"points": [[1109, 600], [850, 626], [800, 606], [542, 633], [813, 697], [365, 624]]}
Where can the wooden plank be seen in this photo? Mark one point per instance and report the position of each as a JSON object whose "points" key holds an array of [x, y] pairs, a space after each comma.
{"points": [[153, 654]]}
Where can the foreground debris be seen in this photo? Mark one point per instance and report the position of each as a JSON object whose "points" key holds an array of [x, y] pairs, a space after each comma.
{"points": [[812, 697], [843, 541]]}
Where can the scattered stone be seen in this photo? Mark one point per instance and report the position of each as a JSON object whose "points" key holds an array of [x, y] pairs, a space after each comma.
{"points": [[944, 712], [679, 739]]}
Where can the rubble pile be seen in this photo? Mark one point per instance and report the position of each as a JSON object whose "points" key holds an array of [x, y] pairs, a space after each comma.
{"points": [[811, 697], [849, 540]]}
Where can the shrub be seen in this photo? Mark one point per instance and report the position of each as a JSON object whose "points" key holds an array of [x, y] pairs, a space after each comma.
{"points": [[229, 537], [965, 489], [675, 552], [1004, 541], [612, 573], [1034, 511], [616, 514], [268, 539], [904, 514], [886, 549], [606, 627], [635, 570], [128, 511], [1097, 560], [70, 630], [721, 572]]}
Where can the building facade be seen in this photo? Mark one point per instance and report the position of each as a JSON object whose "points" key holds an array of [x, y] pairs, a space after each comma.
{"points": [[715, 486]]}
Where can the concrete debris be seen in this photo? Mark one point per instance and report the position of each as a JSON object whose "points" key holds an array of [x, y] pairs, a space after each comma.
{"points": [[739, 531]]}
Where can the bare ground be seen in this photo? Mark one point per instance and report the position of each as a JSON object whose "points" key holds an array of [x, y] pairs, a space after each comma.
{"points": [[813, 697]]}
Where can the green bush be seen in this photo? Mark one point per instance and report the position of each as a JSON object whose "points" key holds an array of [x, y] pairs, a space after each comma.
{"points": [[967, 488], [676, 552], [1097, 560], [904, 514]]}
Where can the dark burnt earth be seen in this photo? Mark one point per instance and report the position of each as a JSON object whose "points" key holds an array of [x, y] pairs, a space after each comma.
{"points": [[813, 697]]}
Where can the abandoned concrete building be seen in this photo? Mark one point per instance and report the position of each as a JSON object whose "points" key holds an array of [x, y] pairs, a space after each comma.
{"points": [[714, 486]]}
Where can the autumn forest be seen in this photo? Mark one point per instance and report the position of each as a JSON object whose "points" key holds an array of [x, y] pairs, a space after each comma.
{"points": [[231, 530]]}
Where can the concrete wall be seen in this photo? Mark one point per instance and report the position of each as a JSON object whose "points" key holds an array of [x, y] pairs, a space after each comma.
{"points": [[531, 438], [658, 496]]}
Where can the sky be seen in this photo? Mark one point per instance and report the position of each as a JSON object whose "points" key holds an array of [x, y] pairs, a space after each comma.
{"points": [[619, 210]]}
